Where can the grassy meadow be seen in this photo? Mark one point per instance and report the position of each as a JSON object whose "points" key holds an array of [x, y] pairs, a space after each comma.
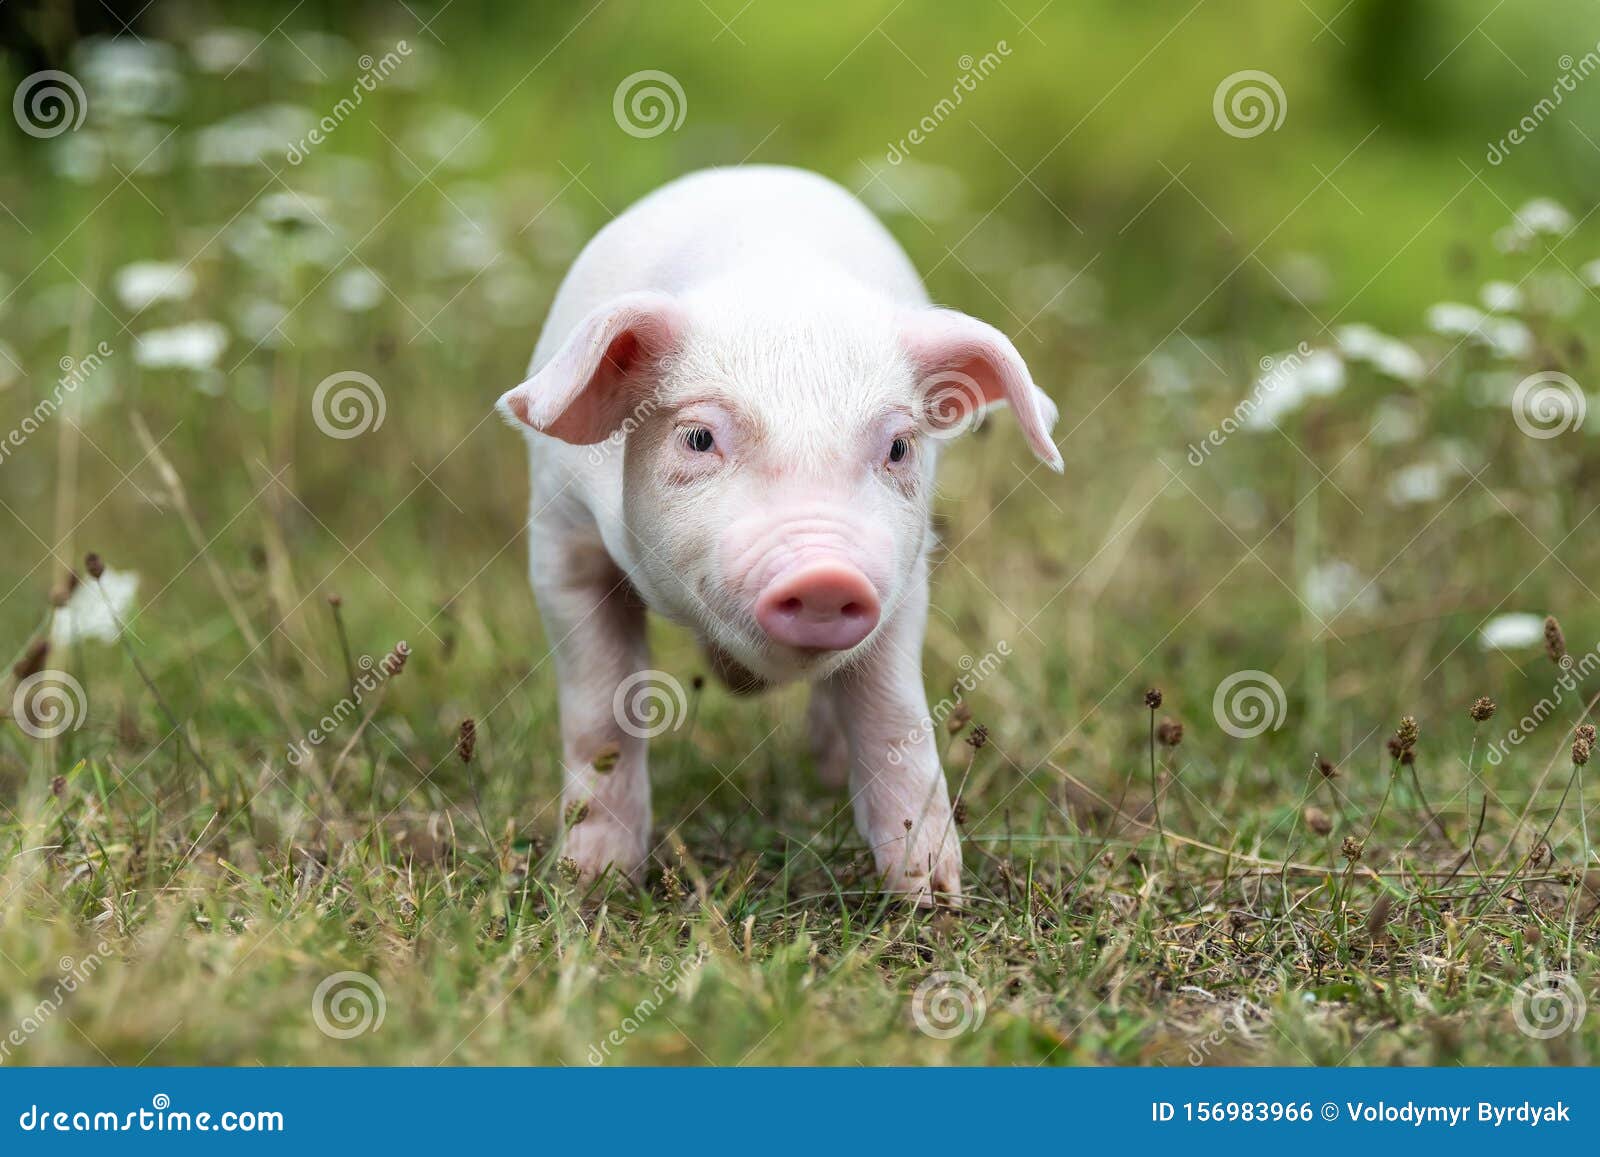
{"points": [[1330, 439]]}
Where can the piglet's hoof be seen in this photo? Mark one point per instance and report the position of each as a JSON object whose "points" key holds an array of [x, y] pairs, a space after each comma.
{"points": [[595, 848]]}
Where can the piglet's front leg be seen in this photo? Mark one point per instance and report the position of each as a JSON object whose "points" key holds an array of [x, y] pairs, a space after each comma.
{"points": [[897, 786], [597, 630]]}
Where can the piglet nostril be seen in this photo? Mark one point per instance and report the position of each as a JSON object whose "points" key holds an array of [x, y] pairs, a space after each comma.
{"points": [[829, 606]]}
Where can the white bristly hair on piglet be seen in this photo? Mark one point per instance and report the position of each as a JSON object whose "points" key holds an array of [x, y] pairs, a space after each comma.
{"points": [[735, 409]]}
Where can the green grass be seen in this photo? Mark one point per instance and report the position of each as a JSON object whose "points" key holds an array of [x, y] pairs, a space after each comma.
{"points": [[214, 884]]}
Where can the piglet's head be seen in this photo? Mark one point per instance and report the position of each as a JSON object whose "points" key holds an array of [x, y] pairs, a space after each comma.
{"points": [[777, 456]]}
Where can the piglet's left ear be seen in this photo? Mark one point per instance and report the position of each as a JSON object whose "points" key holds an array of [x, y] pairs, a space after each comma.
{"points": [[964, 366]]}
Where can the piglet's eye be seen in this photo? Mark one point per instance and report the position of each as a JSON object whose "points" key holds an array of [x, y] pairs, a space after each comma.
{"points": [[898, 449], [698, 439]]}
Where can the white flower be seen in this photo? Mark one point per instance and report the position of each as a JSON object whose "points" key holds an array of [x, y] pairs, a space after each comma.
{"points": [[1542, 215], [357, 290], [450, 137], [292, 210], [1395, 422], [96, 611], [1500, 297], [259, 320], [458, 247], [1400, 361], [1244, 508], [1452, 319], [1335, 587], [130, 77], [1555, 294], [1168, 376], [1358, 341], [226, 49], [1420, 482], [1507, 337], [144, 283], [1511, 632], [1512, 239], [1289, 382], [1306, 277], [196, 345], [257, 134], [1388, 355], [286, 230], [79, 157], [1590, 272]]}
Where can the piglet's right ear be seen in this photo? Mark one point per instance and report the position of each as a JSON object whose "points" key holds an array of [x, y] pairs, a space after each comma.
{"points": [[602, 372]]}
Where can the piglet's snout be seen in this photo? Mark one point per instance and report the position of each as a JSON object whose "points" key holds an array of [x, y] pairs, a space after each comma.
{"points": [[820, 606]]}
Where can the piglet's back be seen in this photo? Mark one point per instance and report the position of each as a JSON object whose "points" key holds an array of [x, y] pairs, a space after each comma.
{"points": [[754, 223]]}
